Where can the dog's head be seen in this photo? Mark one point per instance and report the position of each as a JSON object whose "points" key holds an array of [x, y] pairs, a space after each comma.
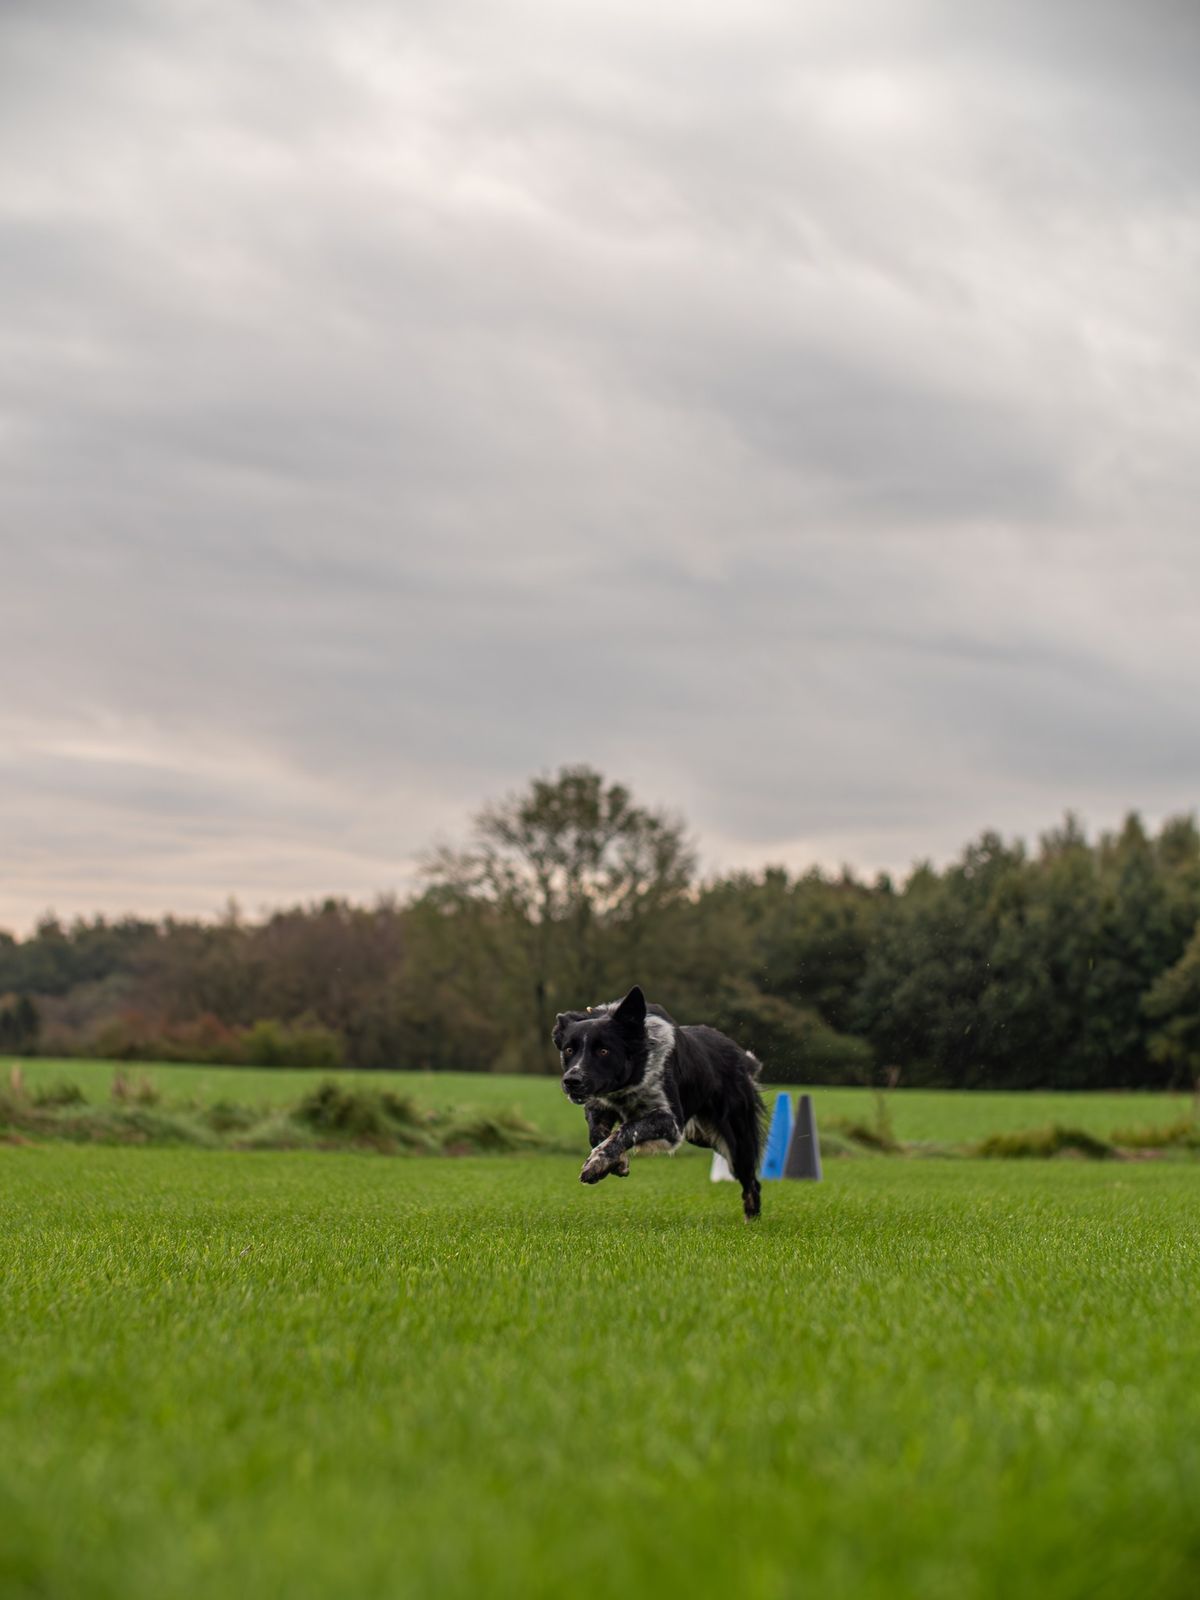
{"points": [[603, 1051]]}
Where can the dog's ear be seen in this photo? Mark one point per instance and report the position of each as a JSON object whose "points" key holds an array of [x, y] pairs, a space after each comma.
{"points": [[560, 1025], [630, 1015]]}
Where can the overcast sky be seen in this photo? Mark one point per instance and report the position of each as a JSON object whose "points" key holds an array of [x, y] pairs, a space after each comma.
{"points": [[791, 409]]}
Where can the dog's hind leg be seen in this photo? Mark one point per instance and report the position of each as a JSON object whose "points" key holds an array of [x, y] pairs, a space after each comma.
{"points": [[743, 1158]]}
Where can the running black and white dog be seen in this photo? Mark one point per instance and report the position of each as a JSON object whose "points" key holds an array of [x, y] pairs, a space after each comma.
{"points": [[647, 1084]]}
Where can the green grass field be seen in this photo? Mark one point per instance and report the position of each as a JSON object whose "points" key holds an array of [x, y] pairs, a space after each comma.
{"points": [[323, 1374], [917, 1114]]}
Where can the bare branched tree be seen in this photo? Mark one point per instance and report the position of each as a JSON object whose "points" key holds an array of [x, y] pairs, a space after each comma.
{"points": [[574, 868]]}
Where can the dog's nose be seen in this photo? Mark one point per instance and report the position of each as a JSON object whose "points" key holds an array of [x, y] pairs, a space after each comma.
{"points": [[572, 1083]]}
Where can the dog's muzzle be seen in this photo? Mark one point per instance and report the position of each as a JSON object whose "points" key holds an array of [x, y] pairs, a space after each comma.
{"points": [[573, 1087]]}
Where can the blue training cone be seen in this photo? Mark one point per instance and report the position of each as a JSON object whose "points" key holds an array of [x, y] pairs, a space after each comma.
{"points": [[778, 1138]]}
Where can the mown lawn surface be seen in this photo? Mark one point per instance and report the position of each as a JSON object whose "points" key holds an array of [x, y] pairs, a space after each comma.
{"points": [[320, 1374], [916, 1114]]}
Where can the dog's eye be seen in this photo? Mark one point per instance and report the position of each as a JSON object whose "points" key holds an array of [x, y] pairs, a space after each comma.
{"points": [[568, 1050], [601, 1052]]}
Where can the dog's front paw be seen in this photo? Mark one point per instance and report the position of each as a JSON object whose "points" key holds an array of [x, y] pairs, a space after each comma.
{"points": [[598, 1166], [621, 1170]]}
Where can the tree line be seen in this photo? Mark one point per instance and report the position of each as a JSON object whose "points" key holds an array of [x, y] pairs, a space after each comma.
{"points": [[1072, 965]]}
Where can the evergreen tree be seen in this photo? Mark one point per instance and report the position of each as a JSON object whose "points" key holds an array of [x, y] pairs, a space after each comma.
{"points": [[1173, 1005]]}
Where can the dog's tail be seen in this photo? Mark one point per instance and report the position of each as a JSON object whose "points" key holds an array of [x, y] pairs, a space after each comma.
{"points": [[757, 1107]]}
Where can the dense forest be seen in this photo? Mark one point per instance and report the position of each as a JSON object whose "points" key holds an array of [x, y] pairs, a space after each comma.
{"points": [[1076, 965]]}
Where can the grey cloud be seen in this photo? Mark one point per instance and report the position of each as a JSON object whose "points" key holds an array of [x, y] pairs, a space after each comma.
{"points": [[792, 413]]}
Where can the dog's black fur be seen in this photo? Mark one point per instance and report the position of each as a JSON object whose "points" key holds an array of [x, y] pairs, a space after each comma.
{"points": [[645, 1082]]}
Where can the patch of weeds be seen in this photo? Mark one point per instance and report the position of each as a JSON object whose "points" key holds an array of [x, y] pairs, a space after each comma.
{"points": [[836, 1144], [13, 1109], [382, 1121], [227, 1116], [331, 1109], [865, 1135], [1182, 1134], [409, 1125], [877, 1134], [491, 1133], [401, 1109], [59, 1094], [129, 1125], [882, 1129], [1043, 1143], [101, 1124], [127, 1089], [279, 1131], [60, 1111]]}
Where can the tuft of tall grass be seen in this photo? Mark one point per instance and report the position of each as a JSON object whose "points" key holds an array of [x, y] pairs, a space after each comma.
{"points": [[1181, 1134], [854, 1132], [131, 1089], [229, 1116], [381, 1120], [491, 1133], [129, 1124], [1042, 1143], [278, 1130], [58, 1094]]}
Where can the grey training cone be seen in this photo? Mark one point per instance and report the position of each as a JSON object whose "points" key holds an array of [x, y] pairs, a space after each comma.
{"points": [[804, 1151]]}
